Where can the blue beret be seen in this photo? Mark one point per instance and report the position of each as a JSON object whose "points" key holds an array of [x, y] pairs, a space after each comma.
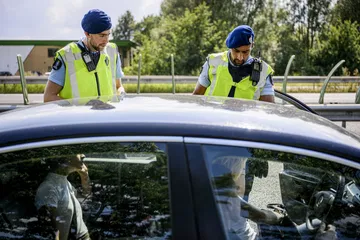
{"points": [[96, 21], [240, 36]]}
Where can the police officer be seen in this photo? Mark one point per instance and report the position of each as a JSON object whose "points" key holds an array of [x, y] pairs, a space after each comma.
{"points": [[89, 67], [235, 73]]}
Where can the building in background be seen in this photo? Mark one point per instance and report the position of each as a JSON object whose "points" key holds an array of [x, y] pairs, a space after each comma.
{"points": [[38, 55]]}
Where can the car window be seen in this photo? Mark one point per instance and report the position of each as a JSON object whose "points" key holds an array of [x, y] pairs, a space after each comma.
{"points": [[280, 195], [97, 191]]}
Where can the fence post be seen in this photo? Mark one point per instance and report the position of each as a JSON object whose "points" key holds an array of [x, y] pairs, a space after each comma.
{"points": [[172, 74], [23, 80], [287, 72], [357, 97], [139, 73], [323, 88]]}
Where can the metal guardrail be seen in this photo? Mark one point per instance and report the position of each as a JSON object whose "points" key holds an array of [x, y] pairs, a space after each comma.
{"points": [[287, 73], [22, 79], [186, 79], [344, 113], [338, 113], [323, 89]]}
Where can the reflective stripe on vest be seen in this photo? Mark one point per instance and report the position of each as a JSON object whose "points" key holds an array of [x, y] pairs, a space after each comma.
{"points": [[221, 80], [70, 58], [79, 82], [112, 52]]}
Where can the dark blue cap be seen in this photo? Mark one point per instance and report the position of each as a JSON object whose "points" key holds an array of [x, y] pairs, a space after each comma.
{"points": [[240, 36], [96, 21]]}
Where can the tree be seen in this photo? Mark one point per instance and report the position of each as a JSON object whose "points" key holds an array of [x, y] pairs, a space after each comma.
{"points": [[125, 27], [230, 11], [143, 29], [318, 11], [348, 10], [190, 38], [337, 42], [308, 18], [271, 27]]}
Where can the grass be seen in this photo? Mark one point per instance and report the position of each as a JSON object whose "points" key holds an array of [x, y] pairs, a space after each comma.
{"points": [[188, 88], [316, 87]]}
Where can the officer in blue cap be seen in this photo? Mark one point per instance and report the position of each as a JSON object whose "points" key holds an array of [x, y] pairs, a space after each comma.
{"points": [[90, 67], [235, 73]]}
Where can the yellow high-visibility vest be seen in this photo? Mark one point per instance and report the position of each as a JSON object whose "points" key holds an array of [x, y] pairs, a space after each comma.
{"points": [[222, 81], [79, 82]]}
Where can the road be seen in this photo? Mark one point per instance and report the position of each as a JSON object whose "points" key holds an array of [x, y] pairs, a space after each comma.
{"points": [[308, 98]]}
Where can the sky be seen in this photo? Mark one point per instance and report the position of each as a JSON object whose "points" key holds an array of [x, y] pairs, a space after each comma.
{"points": [[61, 19]]}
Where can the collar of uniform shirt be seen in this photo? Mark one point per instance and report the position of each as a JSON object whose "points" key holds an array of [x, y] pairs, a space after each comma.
{"points": [[248, 61]]}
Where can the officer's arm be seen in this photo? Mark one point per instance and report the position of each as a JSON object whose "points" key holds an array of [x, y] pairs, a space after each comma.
{"points": [[199, 89], [55, 82], [267, 98], [267, 93], [119, 75], [51, 92], [47, 220], [259, 215], [119, 87], [203, 81]]}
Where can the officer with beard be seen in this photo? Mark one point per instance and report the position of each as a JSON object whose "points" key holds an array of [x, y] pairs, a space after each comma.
{"points": [[90, 67], [235, 73]]}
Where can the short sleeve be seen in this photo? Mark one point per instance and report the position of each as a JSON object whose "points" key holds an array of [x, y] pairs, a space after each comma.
{"points": [[46, 196], [268, 88], [203, 79], [58, 76], [119, 72]]}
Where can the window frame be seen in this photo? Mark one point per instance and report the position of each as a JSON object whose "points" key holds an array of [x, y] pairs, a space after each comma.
{"points": [[204, 199], [183, 224]]}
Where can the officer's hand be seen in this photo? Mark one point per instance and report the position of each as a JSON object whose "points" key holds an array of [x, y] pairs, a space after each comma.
{"points": [[83, 171], [120, 91], [258, 168], [272, 217], [326, 232]]}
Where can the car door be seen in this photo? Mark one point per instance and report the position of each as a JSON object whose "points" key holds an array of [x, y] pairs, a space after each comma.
{"points": [[97, 187], [247, 189]]}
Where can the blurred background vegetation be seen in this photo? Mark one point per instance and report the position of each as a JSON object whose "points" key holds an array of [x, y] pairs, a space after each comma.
{"points": [[319, 33]]}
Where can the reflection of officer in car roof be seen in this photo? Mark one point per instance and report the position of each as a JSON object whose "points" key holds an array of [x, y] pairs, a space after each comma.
{"points": [[56, 199]]}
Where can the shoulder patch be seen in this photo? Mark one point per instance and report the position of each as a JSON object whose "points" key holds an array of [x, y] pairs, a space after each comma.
{"points": [[57, 64]]}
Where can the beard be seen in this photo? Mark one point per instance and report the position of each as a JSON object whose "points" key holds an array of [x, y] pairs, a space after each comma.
{"points": [[96, 48], [238, 62]]}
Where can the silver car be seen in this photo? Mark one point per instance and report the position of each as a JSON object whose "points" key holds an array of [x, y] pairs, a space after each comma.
{"points": [[176, 167]]}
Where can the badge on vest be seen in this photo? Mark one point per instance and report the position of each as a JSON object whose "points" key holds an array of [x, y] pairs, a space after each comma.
{"points": [[57, 64], [256, 70], [88, 61], [107, 61]]}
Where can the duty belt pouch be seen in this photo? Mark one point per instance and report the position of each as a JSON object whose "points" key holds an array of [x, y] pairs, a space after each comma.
{"points": [[256, 68], [87, 58]]}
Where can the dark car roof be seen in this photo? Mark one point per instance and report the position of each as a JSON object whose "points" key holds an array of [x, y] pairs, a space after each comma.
{"points": [[179, 115]]}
